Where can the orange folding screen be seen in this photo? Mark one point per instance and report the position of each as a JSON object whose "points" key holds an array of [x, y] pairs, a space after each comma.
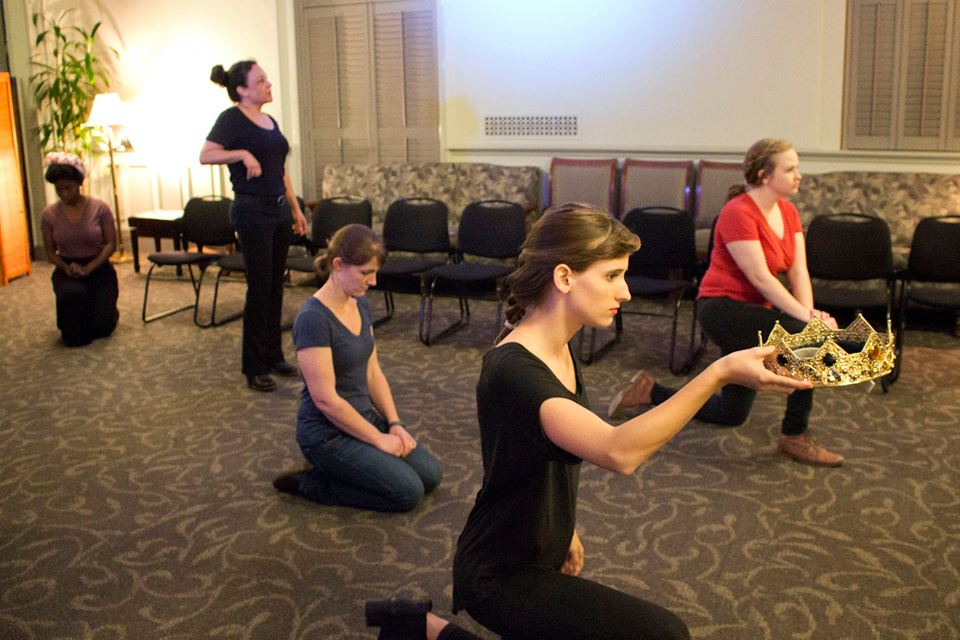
{"points": [[14, 239]]}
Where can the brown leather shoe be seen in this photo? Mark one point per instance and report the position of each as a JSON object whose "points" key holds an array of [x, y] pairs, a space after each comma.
{"points": [[806, 450], [636, 395]]}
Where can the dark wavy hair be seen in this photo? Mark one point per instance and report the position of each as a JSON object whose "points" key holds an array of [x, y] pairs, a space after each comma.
{"points": [[57, 172], [354, 244], [575, 234], [235, 77]]}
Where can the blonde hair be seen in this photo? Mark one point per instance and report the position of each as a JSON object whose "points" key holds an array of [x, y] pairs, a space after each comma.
{"points": [[758, 162], [574, 234]]}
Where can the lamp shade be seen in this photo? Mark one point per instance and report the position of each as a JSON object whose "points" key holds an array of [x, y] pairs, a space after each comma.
{"points": [[107, 111]]}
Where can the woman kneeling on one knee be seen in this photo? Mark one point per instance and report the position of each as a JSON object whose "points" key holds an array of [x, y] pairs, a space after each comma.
{"points": [[757, 237], [348, 427], [79, 236]]}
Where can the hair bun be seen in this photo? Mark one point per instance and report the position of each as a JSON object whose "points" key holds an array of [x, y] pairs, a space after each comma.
{"points": [[219, 75]]}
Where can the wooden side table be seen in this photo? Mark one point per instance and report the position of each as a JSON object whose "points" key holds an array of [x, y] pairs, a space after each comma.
{"points": [[160, 223]]}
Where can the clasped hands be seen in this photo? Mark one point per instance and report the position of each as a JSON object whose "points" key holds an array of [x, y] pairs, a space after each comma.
{"points": [[397, 442], [75, 270]]}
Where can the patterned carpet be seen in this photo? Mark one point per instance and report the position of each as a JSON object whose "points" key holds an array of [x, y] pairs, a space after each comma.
{"points": [[135, 496]]}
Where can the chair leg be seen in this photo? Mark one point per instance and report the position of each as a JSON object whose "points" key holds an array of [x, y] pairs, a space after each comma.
{"points": [[693, 351], [214, 322], [900, 332], [388, 303], [163, 314], [426, 315], [594, 353]]}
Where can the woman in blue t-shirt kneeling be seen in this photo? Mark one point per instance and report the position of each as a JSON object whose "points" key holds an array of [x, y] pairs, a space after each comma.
{"points": [[360, 452]]}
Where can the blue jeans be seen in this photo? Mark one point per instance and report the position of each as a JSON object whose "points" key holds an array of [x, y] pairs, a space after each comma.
{"points": [[349, 472]]}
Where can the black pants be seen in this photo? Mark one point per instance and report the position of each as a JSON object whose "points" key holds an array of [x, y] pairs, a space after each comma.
{"points": [[264, 257], [87, 306], [539, 602], [734, 325]]}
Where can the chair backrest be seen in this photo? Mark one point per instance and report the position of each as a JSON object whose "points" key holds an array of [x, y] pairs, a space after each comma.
{"points": [[667, 240], [206, 222], [416, 224], [935, 250], [849, 246], [332, 213], [714, 180], [645, 183], [590, 181], [492, 229]]}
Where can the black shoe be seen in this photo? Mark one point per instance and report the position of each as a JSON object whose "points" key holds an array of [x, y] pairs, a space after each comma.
{"points": [[398, 619], [284, 368], [261, 382], [289, 482]]}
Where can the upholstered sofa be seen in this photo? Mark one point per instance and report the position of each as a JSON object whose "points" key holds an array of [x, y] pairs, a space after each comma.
{"points": [[454, 183], [901, 199]]}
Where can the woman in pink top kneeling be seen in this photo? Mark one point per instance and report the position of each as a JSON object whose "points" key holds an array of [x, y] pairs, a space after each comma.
{"points": [[79, 236]]}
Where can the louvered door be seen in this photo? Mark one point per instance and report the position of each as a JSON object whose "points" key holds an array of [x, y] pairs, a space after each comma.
{"points": [[923, 82], [903, 72], [871, 74], [404, 42], [14, 237], [335, 94], [369, 90]]}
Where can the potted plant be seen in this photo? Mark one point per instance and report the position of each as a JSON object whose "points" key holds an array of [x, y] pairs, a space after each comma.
{"points": [[69, 74]]}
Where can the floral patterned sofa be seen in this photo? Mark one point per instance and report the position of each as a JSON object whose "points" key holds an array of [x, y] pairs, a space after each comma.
{"points": [[454, 183], [901, 199]]}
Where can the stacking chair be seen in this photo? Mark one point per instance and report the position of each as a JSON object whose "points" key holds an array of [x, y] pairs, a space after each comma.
{"points": [[932, 278], [206, 223], [327, 216], [850, 259], [647, 183], [416, 238], [228, 264], [714, 180], [664, 268], [590, 181], [491, 230]]}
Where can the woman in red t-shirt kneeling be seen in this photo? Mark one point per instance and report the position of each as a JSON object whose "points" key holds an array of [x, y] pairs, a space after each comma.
{"points": [[758, 236]]}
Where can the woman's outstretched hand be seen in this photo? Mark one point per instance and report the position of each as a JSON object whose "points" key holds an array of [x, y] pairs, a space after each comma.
{"points": [[746, 369]]}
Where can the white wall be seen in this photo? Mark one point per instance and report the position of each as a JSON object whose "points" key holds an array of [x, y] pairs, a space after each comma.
{"points": [[649, 78]]}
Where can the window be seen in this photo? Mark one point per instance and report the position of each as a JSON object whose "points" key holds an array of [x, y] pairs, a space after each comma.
{"points": [[902, 75], [369, 91]]}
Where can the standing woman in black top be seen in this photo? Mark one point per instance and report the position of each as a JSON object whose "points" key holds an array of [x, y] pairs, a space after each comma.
{"points": [[518, 557], [250, 143]]}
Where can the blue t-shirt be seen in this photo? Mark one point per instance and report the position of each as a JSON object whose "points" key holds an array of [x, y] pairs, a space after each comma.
{"points": [[317, 326], [233, 130]]}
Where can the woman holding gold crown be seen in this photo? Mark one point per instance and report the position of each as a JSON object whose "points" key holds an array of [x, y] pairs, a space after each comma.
{"points": [[757, 237]]}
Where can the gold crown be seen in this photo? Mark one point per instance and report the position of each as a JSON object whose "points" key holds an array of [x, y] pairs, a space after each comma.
{"points": [[829, 358]]}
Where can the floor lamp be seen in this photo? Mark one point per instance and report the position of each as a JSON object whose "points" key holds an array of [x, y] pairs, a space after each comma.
{"points": [[107, 116]]}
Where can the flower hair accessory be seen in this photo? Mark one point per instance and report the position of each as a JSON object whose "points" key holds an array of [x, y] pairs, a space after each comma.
{"points": [[62, 157]]}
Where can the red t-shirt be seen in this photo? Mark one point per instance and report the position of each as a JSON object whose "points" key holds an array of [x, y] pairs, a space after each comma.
{"points": [[741, 219]]}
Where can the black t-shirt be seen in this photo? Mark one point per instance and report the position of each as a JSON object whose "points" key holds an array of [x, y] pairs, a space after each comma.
{"points": [[526, 509], [234, 130]]}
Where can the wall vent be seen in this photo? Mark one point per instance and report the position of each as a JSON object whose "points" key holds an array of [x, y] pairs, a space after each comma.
{"points": [[538, 126]]}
